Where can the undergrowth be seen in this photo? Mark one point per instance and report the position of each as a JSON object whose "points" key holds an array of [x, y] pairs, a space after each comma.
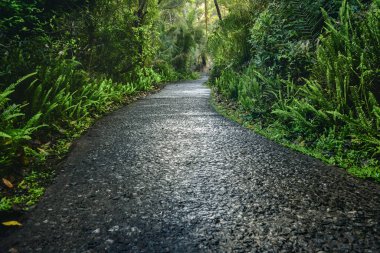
{"points": [[324, 149], [322, 98], [65, 63], [40, 130]]}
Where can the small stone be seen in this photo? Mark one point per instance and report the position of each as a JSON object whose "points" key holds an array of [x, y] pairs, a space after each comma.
{"points": [[114, 229], [109, 241], [96, 231]]}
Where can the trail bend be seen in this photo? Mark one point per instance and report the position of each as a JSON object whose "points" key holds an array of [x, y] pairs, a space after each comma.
{"points": [[169, 174]]}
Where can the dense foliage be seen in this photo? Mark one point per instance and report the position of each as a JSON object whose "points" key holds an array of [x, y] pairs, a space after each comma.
{"points": [[64, 63], [304, 72], [307, 74]]}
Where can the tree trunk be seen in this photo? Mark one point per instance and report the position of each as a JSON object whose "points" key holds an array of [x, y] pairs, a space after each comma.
{"points": [[141, 12], [218, 10], [206, 17]]}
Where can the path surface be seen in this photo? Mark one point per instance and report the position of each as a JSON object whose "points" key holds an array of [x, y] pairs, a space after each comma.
{"points": [[168, 174]]}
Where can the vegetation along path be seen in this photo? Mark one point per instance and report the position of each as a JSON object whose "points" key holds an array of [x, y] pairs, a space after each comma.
{"points": [[168, 173]]}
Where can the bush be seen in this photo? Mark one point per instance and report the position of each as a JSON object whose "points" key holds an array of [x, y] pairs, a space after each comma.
{"points": [[16, 129]]}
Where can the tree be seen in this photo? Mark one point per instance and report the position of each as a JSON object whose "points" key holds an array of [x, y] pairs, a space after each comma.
{"points": [[218, 10]]}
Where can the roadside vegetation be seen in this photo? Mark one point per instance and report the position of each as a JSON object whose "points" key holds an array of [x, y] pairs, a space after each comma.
{"points": [[66, 63], [304, 73]]}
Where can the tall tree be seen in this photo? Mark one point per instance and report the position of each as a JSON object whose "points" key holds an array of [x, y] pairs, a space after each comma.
{"points": [[218, 10], [206, 17]]}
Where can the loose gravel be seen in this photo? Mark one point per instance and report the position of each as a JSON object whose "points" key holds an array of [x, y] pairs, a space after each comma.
{"points": [[168, 174]]}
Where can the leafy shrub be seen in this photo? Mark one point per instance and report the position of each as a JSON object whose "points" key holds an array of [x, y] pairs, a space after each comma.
{"points": [[228, 42], [15, 129], [54, 101], [143, 79], [166, 71]]}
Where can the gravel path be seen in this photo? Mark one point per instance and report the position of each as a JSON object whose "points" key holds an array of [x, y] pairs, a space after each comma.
{"points": [[168, 174]]}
